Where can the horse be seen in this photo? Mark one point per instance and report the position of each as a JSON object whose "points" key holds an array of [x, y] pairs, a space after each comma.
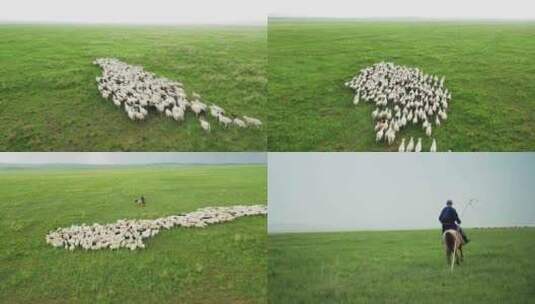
{"points": [[453, 245], [140, 201]]}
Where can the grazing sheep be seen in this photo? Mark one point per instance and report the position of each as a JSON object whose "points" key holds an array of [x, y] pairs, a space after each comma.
{"points": [[402, 146], [131, 233], [252, 121], [168, 113], [215, 111], [205, 125], [390, 135], [428, 130], [196, 96], [433, 146], [401, 95], [217, 108], [178, 113], [131, 115], [139, 91], [379, 135], [240, 123], [410, 145], [418, 147], [225, 121], [197, 107], [356, 99]]}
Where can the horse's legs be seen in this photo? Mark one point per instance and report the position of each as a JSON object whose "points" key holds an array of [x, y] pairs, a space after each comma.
{"points": [[462, 253]]}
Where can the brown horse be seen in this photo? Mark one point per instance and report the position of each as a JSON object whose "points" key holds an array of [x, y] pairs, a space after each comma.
{"points": [[453, 244]]}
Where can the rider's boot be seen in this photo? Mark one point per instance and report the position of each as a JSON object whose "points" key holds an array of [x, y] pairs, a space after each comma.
{"points": [[466, 240]]}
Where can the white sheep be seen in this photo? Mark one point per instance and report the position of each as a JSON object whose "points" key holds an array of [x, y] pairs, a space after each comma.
{"points": [[252, 121], [401, 95], [205, 125], [138, 91], [410, 145], [225, 121], [402, 146], [418, 147], [131, 233], [198, 107], [240, 123], [433, 146]]}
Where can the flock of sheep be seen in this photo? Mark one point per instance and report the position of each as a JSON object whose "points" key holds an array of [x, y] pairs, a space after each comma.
{"points": [[131, 233], [402, 96], [138, 91]]}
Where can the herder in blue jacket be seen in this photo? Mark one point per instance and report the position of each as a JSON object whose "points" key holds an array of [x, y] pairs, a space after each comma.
{"points": [[449, 219]]}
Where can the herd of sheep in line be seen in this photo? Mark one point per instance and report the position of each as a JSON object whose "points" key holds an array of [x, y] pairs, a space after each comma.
{"points": [[131, 233], [402, 96], [139, 90]]}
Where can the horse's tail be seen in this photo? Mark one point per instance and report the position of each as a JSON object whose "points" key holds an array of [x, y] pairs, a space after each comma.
{"points": [[450, 244], [449, 240]]}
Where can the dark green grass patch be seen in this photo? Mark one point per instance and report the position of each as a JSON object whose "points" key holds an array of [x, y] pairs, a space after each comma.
{"points": [[49, 100], [224, 263], [489, 68], [400, 267]]}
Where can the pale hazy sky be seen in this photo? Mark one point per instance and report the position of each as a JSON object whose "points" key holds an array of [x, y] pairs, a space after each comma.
{"points": [[369, 191], [252, 11], [136, 11], [104, 158], [487, 9]]}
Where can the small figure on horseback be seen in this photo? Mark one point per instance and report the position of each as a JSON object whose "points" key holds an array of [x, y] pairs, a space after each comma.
{"points": [[452, 235], [140, 201]]}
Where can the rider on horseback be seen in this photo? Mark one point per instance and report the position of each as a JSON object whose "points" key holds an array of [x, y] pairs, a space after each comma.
{"points": [[449, 219]]}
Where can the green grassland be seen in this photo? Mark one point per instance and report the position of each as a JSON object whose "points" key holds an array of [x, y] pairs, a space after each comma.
{"points": [[223, 263], [489, 68], [400, 267], [49, 99]]}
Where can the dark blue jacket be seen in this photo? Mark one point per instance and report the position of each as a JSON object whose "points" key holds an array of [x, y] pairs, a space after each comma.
{"points": [[449, 216]]}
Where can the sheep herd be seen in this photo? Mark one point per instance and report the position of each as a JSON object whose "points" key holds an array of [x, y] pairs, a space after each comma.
{"points": [[139, 91], [402, 96], [131, 233]]}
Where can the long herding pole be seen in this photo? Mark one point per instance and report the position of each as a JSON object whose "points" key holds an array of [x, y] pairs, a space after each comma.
{"points": [[469, 203]]}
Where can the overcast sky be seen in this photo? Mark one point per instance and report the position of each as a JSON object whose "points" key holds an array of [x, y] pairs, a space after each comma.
{"points": [[136, 11], [493, 9], [374, 191], [252, 11], [103, 158]]}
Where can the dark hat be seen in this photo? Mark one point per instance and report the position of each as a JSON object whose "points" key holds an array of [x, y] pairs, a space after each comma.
{"points": [[449, 203]]}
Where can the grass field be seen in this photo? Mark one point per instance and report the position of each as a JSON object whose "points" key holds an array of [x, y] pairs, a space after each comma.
{"points": [[49, 99], [489, 68], [400, 267], [223, 263]]}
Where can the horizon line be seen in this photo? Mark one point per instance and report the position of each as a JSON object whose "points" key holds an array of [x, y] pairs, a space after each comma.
{"points": [[129, 164], [395, 18], [66, 22], [531, 225]]}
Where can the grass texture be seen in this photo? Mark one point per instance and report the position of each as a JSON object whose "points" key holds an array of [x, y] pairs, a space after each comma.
{"points": [[401, 267], [49, 99], [489, 68], [223, 263]]}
